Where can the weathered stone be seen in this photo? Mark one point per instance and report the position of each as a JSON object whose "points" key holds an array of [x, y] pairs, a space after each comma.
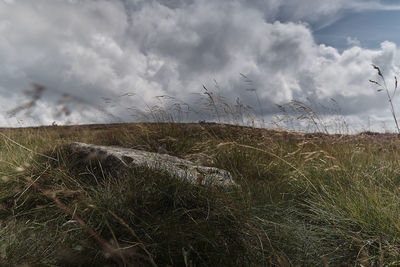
{"points": [[175, 166]]}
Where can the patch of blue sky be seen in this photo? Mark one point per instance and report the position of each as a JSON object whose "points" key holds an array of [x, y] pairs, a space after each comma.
{"points": [[368, 29]]}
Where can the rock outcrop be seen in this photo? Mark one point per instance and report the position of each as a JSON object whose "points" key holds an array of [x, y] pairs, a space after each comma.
{"points": [[177, 167]]}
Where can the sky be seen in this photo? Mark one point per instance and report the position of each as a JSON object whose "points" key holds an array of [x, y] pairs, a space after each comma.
{"points": [[95, 61]]}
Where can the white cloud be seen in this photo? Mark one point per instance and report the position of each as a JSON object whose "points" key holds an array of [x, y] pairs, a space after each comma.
{"points": [[352, 41], [95, 49]]}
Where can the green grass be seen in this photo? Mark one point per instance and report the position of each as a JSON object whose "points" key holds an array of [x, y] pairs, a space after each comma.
{"points": [[305, 199]]}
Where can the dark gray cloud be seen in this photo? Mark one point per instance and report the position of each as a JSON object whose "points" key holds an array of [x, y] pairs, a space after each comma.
{"points": [[99, 50]]}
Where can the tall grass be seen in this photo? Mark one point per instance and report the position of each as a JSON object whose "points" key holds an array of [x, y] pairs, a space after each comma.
{"points": [[305, 199], [390, 95]]}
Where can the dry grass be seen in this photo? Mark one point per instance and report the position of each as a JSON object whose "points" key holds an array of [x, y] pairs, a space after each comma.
{"points": [[306, 199], [390, 95]]}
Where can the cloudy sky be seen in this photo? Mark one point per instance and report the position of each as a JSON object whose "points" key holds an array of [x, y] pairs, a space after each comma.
{"points": [[100, 60]]}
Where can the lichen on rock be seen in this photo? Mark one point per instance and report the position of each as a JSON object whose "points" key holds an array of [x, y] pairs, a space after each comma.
{"points": [[177, 167]]}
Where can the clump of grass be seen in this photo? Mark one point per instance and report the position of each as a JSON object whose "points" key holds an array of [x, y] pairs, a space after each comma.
{"points": [[305, 116], [145, 214]]}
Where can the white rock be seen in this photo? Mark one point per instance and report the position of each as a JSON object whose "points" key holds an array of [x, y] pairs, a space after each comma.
{"points": [[174, 166]]}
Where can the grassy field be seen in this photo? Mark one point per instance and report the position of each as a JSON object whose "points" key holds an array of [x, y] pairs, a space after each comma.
{"points": [[304, 200]]}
